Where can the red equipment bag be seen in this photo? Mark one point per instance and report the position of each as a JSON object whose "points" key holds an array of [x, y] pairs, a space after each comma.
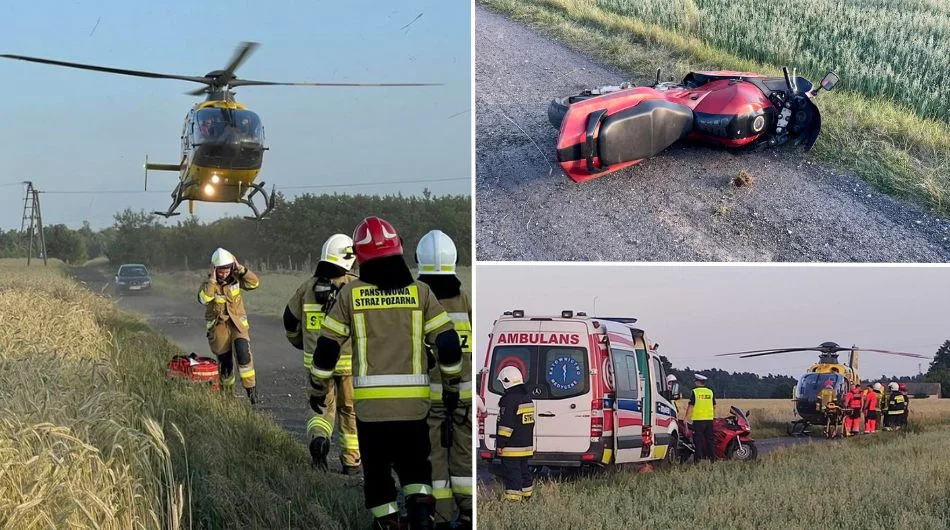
{"points": [[194, 368]]}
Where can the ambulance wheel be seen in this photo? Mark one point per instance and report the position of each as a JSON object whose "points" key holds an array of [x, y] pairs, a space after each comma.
{"points": [[748, 451], [557, 108], [673, 458]]}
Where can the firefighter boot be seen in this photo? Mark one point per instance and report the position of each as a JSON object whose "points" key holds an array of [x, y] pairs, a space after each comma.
{"points": [[350, 471], [387, 522], [319, 449], [465, 519], [421, 512], [252, 395]]}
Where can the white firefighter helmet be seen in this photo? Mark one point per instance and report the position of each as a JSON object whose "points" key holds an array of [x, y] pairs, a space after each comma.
{"points": [[670, 378], [893, 387], [509, 377], [222, 258], [436, 253], [878, 387], [338, 250]]}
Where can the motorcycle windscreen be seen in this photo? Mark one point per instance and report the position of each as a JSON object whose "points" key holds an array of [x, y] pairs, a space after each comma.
{"points": [[596, 139], [737, 412]]}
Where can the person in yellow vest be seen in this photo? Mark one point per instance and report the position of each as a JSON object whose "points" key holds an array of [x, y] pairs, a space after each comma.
{"points": [[451, 456], [303, 318], [827, 404], [389, 317], [227, 326], [701, 411]]}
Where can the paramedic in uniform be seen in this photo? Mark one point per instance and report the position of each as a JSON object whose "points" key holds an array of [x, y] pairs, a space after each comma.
{"points": [[515, 434], [227, 325], [389, 318], [436, 256], [303, 318], [702, 405]]}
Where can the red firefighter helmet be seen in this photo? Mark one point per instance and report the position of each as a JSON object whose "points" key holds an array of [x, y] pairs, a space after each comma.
{"points": [[375, 238]]}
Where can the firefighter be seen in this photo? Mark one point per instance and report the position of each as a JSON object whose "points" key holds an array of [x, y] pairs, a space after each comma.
{"points": [[701, 411], [903, 390], [854, 402], [828, 405], [227, 325], [436, 256], [895, 417], [672, 386], [871, 408], [303, 318], [515, 439], [390, 318]]}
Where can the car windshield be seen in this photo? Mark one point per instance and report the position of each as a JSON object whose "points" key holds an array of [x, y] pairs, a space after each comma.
{"points": [[133, 270]]}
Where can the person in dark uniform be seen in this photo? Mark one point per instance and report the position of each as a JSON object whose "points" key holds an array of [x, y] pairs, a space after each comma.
{"points": [[515, 438], [701, 411]]}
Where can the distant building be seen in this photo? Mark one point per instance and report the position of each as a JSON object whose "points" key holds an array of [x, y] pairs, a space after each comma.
{"points": [[931, 389]]}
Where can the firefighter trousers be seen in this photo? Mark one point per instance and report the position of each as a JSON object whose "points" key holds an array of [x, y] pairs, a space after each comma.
{"points": [[703, 440], [519, 482], [228, 343], [339, 401], [451, 467], [402, 446]]}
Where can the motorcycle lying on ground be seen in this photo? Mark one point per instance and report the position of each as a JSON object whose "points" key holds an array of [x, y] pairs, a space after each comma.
{"points": [[612, 127], [732, 438]]}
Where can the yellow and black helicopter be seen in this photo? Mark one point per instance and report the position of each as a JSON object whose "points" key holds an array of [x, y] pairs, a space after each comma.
{"points": [[842, 376], [222, 141]]}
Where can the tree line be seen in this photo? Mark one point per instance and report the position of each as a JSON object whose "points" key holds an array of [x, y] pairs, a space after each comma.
{"points": [[290, 239]]}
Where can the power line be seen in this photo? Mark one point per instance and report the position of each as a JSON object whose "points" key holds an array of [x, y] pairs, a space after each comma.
{"points": [[315, 186]]}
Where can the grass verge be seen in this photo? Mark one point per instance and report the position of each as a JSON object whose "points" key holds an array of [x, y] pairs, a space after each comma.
{"points": [[92, 435], [883, 142]]}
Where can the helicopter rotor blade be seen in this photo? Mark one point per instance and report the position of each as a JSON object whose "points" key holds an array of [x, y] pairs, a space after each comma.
{"points": [[769, 351], [240, 55], [889, 352], [137, 73], [249, 82]]}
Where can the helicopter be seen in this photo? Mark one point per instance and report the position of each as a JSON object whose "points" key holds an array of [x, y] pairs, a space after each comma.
{"points": [[222, 141], [828, 368]]}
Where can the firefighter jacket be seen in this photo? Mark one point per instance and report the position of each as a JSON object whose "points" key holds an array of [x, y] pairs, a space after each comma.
{"points": [[388, 329], [305, 308], [459, 309], [223, 302], [515, 423], [826, 399], [897, 404]]}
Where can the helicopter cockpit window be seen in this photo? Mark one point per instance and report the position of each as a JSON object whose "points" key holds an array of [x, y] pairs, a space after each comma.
{"points": [[811, 384], [227, 126]]}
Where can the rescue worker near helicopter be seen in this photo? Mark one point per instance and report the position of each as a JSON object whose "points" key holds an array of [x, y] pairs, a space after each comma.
{"points": [[436, 256], [515, 434], [895, 417], [828, 405], [227, 325], [390, 318], [701, 411], [854, 403], [871, 408], [303, 318]]}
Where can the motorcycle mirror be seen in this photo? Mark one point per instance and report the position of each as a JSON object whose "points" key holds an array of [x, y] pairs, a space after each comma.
{"points": [[829, 81], [657, 82]]}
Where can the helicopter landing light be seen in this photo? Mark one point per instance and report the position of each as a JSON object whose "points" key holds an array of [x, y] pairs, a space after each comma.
{"points": [[209, 189], [215, 179]]}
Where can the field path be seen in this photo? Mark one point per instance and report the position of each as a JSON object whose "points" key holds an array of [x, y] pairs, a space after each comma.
{"points": [[281, 379], [678, 206]]}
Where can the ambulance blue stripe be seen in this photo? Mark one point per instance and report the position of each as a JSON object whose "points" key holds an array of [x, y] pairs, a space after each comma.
{"points": [[632, 405]]}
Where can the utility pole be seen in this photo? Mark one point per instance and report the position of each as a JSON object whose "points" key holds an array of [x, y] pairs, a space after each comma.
{"points": [[33, 220]]}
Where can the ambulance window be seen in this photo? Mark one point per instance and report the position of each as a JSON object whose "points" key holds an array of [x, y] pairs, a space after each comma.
{"points": [[566, 373], [626, 372], [517, 356], [658, 380]]}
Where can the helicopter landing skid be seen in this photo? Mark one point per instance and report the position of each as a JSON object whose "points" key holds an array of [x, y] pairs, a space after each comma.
{"points": [[270, 200], [176, 202], [798, 428]]}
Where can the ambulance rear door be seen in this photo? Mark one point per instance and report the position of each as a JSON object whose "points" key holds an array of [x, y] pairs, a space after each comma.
{"points": [[628, 404]]}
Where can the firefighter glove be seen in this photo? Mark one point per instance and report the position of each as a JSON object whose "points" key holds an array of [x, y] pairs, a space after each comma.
{"points": [[450, 395], [318, 403]]}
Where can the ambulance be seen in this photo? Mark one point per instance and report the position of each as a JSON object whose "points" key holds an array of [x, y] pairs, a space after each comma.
{"points": [[599, 390]]}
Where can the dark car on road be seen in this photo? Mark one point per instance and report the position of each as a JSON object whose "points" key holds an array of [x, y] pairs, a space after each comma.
{"points": [[132, 277]]}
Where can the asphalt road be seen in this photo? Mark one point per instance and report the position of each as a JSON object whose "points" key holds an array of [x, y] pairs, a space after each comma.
{"points": [[678, 206]]}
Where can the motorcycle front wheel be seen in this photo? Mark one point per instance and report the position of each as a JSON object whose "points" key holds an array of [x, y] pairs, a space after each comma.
{"points": [[748, 451]]}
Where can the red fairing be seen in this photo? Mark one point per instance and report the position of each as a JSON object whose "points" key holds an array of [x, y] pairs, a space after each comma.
{"points": [[727, 98]]}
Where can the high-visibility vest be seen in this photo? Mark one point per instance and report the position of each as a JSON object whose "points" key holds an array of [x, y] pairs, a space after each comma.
{"points": [[703, 408]]}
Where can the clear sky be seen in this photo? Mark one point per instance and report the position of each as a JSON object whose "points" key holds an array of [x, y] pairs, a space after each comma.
{"points": [[694, 312], [70, 130]]}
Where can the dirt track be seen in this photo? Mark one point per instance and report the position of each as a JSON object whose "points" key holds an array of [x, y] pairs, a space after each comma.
{"points": [[281, 379], [678, 206]]}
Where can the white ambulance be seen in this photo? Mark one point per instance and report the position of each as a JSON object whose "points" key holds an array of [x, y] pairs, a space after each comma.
{"points": [[599, 390]]}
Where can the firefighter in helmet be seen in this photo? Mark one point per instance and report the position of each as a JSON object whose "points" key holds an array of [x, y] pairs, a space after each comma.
{"points": [[227, 325], [515, 434], [303, 318], [451, 458], [895, 415], [827, 404], [389, 317]]}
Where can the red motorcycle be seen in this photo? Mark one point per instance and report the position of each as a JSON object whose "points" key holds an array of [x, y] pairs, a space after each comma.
{"points": [[732, 438], [609, 128]]}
